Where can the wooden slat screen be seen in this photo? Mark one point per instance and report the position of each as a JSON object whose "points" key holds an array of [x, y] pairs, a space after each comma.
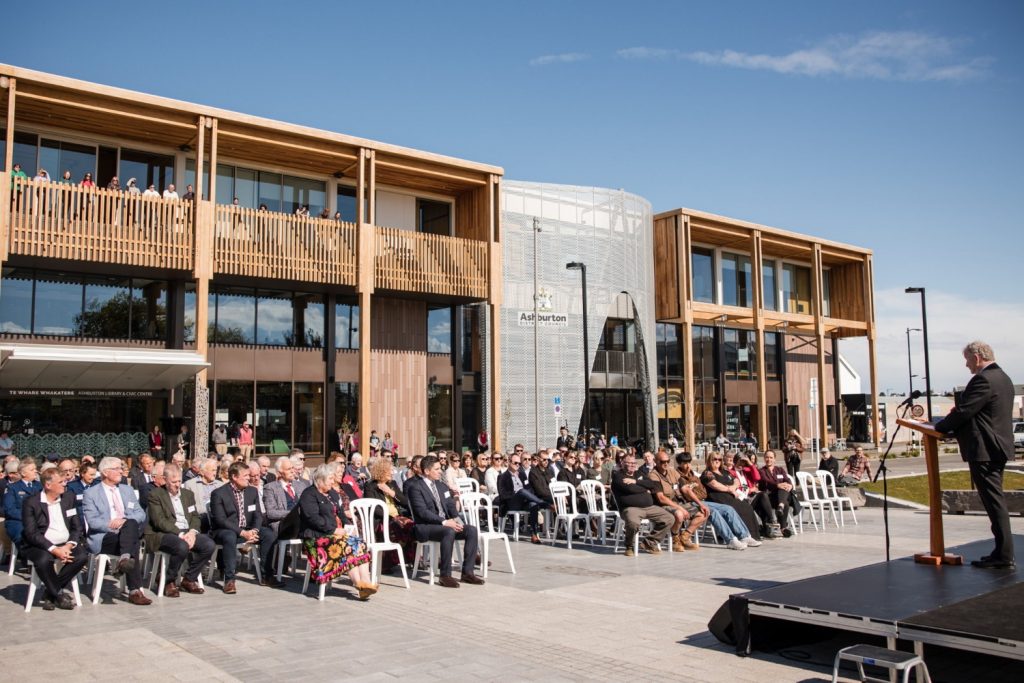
{"points": [[66, 221], [431, 264], [280, 246]]}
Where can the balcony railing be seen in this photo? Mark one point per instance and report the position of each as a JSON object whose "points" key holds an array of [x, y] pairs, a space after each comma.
{"points": [[262, 244], [65, 221], [431, 264]]}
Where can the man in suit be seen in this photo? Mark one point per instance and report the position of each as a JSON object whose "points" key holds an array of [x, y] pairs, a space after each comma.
{"points": [[142, 474], [437, 519], [265, 474], [115, 520], [280, 497], [158, 481], [538, 478], [53, 531], [982, 422], [235, 514], [514, 493], [174, 528]]}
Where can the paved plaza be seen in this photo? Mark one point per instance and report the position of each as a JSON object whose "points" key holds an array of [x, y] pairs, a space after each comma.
{"points": [[583, 614]]}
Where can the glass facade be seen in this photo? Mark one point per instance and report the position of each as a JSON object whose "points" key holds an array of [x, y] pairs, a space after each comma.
{"points": [[439, 416], [771, 287], [273, 415], [670, 381], [147, 168], [346, 405], [241, 315], [739, 353], [702, 267], [309, 416], [434, 217], [705, 384], [439, 330], [796, 288], [57, 156], [346, 326], [737, 280]]}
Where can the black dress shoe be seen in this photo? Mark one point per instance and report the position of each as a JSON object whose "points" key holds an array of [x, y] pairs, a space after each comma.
{"points": [[993, 563], [48, 605], [65, 601]]}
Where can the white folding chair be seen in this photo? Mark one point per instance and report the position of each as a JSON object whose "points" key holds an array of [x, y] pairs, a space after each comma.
{"points": [[597, 508], [14, 559], [467, 485], [364, 512], [474, 504], [160, 558], [282, 548], [253, 557], [811, 499], [98, 570], [566, 513], [830, 493], [34, 583], [705, 528]]}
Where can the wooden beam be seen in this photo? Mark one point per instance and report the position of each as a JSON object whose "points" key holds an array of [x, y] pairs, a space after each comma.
{"points": [[12, 94], [200, 157], [365, 369], [494, 282], [306, 149], [214, 128], [757, 274], [819, 330], [419, 169], [372, 161], [869, 304], [688, 412], [106, 111], [5, 191]]}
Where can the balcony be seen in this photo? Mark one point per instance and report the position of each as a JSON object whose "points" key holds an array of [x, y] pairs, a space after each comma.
{"points": [[431, 264], [264, 244], [70, 222]]}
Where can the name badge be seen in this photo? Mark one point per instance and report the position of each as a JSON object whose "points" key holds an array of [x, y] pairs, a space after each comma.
{"points": [[675, 487], [251, 508], [447, 494], [579, 476], [191, 508], [71, 513], [131, 505], [79, 496], [780, 477]]}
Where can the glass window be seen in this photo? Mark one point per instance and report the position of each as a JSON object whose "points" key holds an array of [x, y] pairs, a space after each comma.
{"points": [[225, 184], [25, 151], [740, 354], [149, 309], [702, 266], [304, 192], [771, 355], [309, 417], [796, 288], [233, 403], [235, 317], [245, 188], [826, 306], [771, 292], [439, 416], [107, 309], [270, 190], [190, 313], [346, 405], [434, 217], [58, 304], [669, 352], [16, 302], [347, 203], [737, 281], [308, 310], [273, 414], [439, 330], [147, 168], [346, 326], [190, 176], [58, 156], [470, 339], [274, 323]]}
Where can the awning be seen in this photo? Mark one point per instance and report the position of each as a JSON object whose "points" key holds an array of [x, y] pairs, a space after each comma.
{"points": [[43, 366]]}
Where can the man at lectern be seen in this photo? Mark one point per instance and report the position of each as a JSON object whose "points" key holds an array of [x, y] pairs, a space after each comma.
{"points": [[982, 424]]}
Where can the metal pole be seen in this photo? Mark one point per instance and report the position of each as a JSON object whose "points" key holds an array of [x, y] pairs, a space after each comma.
{"points": [[586, 358], [927, 367], [910, 370], [536, 346]]}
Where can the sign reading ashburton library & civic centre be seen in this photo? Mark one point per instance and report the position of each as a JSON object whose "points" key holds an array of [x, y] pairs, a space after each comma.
{"points": [[546, 319]]}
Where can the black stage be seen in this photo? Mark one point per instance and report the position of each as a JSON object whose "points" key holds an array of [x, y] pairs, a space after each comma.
{"points": [[980, 610]]}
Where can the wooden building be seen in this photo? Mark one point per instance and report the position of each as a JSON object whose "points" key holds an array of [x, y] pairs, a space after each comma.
{"points": [[294, 322], [749, 320]]}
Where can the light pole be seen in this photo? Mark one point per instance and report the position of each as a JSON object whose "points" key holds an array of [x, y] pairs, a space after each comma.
{"points": [[582, 267], [536, 344], [924, 332], [910, 370]]}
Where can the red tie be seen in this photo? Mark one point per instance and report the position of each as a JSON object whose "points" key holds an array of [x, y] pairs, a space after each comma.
{"points": [[290, 490]]}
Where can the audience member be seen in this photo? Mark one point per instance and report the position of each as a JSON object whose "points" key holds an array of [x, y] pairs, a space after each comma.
{"points": [[53, 532], [721, 488], [538, 478], [382, 487], [142, 473], [235, 515], [728, 524], [681, 508], [781, 491], [256, 482], [635, 498], [281, 498], [202, 488], [856, 468], [515, 494], [157, 481], [175, 528], [25, 487], [265, 472], [829, 464], [752, 489], [574, 473]]}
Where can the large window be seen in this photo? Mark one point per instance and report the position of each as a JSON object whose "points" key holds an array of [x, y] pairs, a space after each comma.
{"points": [[346, 326], [670, 381], [439, 416], [740, 354], [270, 318], [16, 301], [796, 288], [434, 217], [57, 156], [273, 414], [275, 325], [347, 204], [304, 192], [771, 291], [702, 266], [737, 280], [771, 355], [147, 168], [705, 384], [309, 416], [618, 335], [25, 151], [234, 403], [234, 314], [346, 405], [826, 294], [470, 333], [439, 330]]}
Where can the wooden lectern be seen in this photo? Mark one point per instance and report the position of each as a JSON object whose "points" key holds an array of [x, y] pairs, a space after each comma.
{"points": [[937, 545]]}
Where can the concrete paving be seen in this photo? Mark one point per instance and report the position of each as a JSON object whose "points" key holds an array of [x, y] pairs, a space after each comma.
{"points": [[584, 614]]}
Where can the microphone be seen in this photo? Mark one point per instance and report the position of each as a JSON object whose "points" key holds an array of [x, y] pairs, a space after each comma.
{"points": [[915, 395]]}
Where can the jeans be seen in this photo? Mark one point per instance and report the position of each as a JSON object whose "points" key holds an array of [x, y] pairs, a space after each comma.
{"points": [[727, 522]]}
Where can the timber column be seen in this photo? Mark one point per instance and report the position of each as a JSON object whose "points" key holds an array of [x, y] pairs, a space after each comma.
{"points": [[494, 296], [819, 333], [763, 437], [203, 273], [365, 264], [685, 289], [6, 215]]}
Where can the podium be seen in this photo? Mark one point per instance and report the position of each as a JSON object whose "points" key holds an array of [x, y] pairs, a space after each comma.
{"points": [[936, 554]]}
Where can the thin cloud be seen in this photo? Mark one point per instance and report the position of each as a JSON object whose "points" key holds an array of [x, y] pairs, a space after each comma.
{"points": [[563, 58], [881, 55]]}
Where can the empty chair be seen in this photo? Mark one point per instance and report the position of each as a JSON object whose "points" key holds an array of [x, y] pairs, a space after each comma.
{"points": [[364, 512], [564, 495], [830, 493], [597, 507], [474, 504], [811, 499], [467, 485]]}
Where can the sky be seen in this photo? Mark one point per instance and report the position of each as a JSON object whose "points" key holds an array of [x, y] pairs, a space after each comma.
{"points": [[895, 126]]}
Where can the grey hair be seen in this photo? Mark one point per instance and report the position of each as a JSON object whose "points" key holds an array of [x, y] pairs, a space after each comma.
{"points": [[281, 461], [322, 473], [110, 462], [981, 349], [171, 469]]}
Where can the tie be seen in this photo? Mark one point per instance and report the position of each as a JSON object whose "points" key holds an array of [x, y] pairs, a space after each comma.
{"points": [[290, 490], [118, 505], [437, 498]]}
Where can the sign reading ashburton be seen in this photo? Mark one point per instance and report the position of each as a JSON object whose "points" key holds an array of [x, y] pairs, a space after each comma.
{"points": [[546, 319]]}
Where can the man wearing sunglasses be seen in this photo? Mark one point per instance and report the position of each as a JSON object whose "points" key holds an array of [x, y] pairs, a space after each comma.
{"points": [[515, 493], [635, 496]]}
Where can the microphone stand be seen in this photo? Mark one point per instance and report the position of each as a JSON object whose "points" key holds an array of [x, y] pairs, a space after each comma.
{"points": [[884, 473]]}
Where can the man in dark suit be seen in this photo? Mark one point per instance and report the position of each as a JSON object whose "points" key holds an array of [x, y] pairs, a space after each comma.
{"points": [[982, 422], [514, 493], [437, 519], [53, 531], [174, 528], [158, 481], [142, 473], [538, 478], [235, 514]]}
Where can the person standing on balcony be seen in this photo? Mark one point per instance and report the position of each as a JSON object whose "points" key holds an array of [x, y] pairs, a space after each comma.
{"points": [[132, 188], [190, 193], [171, 193], [16, 173], [42, 196], [151, 191]]}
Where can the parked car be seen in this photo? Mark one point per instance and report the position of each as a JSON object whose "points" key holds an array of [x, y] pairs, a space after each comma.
{"points": [[1018, 434]]}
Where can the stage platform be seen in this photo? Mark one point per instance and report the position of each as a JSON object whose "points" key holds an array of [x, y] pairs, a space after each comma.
{"points": [[962, 607]]}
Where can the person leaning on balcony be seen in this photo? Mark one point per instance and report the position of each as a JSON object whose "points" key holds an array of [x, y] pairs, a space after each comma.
{"points": [[16, 173], [151, 191], [170, 192], [114, 184], [190, 193]]}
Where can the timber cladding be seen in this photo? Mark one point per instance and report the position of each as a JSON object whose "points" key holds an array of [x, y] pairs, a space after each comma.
{"points": [[666, 269], [398, 394]]}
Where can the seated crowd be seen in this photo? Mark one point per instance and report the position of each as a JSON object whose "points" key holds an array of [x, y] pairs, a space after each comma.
{"points": [[221, 508]]}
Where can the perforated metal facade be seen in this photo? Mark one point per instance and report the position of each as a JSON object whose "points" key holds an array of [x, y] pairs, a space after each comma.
{"points": [[611, 231]]}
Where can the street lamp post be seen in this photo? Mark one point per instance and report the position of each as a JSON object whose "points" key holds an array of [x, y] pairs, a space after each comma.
{"points": [[582, 267], [924, 333], [910, 369]]}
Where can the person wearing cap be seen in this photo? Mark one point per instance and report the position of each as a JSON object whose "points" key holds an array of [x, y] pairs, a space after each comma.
{"points": [[829, 464]]}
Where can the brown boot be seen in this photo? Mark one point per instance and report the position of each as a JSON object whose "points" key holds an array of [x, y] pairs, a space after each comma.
{"points": [[677, 543], [687, 539]]}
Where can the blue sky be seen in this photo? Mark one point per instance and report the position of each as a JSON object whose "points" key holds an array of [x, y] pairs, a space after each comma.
{"points": [[895, 126]]}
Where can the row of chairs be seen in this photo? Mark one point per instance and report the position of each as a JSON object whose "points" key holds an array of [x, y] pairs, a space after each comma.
{"points": [[819, 492]]}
